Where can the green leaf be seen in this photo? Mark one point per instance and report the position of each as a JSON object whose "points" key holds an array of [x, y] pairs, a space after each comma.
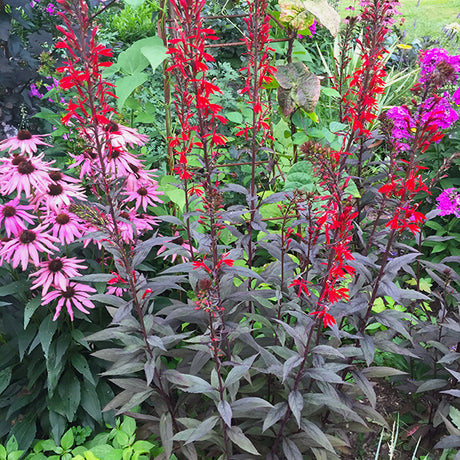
{"points": [[128, 425], [237, 437], [15, 455], [67, 440], [455, 416], [154, 50], [5, 377], [30, 308], [45, 332], [81, 365], [134, 3], [301, 177], [90, 401], [234, 117], [69, 391], [126, 85], [12, 444], [2, 453]]}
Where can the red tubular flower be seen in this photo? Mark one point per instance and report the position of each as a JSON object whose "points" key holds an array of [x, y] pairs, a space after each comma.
{"points": [[328, 320], [302, 287], [258, 69], [196, 114]]}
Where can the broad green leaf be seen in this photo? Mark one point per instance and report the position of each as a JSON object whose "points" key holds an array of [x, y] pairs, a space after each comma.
{"points": [[128, 425], [11, 445], [297, 13], [154, 51], [134, 3], [81, 365], [301, 177], [5, 377], [126, 85], [237, 436], [455, 416], [90, 401], [70, 394], [67, 440], [45, 332], [234, 117]]}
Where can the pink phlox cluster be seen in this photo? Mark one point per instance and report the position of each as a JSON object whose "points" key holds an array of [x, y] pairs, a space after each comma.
{"points": [[439, 112], [449, 202], [434, 59]]}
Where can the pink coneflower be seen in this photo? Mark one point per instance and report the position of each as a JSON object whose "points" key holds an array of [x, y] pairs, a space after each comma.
{"points": [[24, 141], [66, 226], [24, 248], [58, 196], [88, 163], [75, 294], [177, 240], [145, 194], [120, 136], [14, 215], [122, 163], [20, 173], [59, 178], [132, 222], [56, 272]]}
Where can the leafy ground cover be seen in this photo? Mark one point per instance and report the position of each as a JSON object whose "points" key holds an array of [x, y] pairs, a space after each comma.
{"points": [[251, 253]]}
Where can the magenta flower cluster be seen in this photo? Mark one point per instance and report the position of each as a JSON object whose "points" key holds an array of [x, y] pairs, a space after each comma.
{"points": [[35, 92], [435, 111], [449, 202], [432, 62]]}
